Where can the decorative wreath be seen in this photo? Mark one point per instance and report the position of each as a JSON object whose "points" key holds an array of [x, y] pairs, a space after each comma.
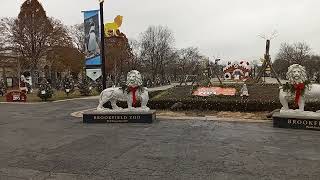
{"points": [[297, 89]]}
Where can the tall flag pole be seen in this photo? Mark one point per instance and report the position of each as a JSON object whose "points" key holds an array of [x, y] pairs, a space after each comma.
{"points": [[103, 67]]}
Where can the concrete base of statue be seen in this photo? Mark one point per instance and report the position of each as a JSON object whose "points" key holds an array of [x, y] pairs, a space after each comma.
{"points": [[119, 116], [296, 119]]}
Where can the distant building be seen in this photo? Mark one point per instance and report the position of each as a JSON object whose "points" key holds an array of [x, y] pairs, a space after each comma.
{"points": [[8, 70]]}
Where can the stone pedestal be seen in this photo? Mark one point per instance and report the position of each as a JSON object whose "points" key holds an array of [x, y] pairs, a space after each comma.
{"points": [[119, 117], [307, 121]]}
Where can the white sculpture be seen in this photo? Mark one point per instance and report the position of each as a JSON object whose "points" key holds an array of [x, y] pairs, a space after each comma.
{"points": [[298, 88], [130, 93], [24, 84], [244, 91]]}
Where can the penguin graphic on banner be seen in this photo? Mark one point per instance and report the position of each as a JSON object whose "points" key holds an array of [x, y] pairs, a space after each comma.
{"points": [[93, 46], [92, 38]]}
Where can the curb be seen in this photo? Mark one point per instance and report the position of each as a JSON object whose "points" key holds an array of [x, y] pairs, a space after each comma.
{"points": [[78, 114], [71, 99], [212, 118], [28, 103]]}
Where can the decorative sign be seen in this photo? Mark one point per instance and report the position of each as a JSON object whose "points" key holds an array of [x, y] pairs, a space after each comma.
{"points": [[93, 74], [296, 123], [120, 117], [92, 37], [16, 96], [207, 91]]}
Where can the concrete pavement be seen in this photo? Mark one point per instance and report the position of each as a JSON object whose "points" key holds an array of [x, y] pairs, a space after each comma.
{"points": [[42, 141]]}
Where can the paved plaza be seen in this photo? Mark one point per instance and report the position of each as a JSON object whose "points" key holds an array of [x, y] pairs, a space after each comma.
{"points": [[42, 141]]}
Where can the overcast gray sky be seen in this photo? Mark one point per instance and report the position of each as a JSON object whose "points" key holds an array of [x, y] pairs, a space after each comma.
{"points": [[225, 28]]}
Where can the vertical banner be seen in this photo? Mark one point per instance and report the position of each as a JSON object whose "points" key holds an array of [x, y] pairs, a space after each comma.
{"points": [[92, 38]]}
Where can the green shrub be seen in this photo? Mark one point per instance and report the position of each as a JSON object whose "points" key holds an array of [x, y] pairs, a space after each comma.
{"points": [[45, 91], [68, 85], [84, 87]]}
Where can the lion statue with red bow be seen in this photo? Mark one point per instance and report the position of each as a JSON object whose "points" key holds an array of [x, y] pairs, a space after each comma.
{"points": [[299, 88], [131, 92]]}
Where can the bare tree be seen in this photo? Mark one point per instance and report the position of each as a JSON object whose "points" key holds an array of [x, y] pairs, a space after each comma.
{"points": [[135, 61], [76, 32], [59, 39], [33, 35], [156, 50], [296, 53], [189, 59], [5, 33], [7, 58], [30, 34], [313, 67], [118, 57], [281, 67], [59, 36]]}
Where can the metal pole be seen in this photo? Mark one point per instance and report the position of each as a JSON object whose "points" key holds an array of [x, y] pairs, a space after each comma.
{"points": [[103, 66]]}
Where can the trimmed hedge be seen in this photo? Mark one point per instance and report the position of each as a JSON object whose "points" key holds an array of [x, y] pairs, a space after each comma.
{"points": [[262, 98], [221, 105]]}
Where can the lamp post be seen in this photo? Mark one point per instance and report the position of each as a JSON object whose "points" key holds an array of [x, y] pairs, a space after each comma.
{"points": [[103, 66]]}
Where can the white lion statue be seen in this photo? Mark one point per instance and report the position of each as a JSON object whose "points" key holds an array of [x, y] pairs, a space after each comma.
{"points": [[298, 88], [130, 93]]}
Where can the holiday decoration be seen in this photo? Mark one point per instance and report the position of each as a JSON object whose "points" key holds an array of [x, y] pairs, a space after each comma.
{"points": [[237, 71], [298, 87], [244, 91], [208, 91], [130, 93], [45, 90], [112, 28], [68, 85], [84, 87]]}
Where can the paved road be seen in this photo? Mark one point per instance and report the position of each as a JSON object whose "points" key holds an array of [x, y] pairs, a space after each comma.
{"points": [[42, 141]]}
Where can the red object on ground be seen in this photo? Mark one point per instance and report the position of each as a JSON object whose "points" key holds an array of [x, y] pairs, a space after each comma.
{"points": [[16, 96]]}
